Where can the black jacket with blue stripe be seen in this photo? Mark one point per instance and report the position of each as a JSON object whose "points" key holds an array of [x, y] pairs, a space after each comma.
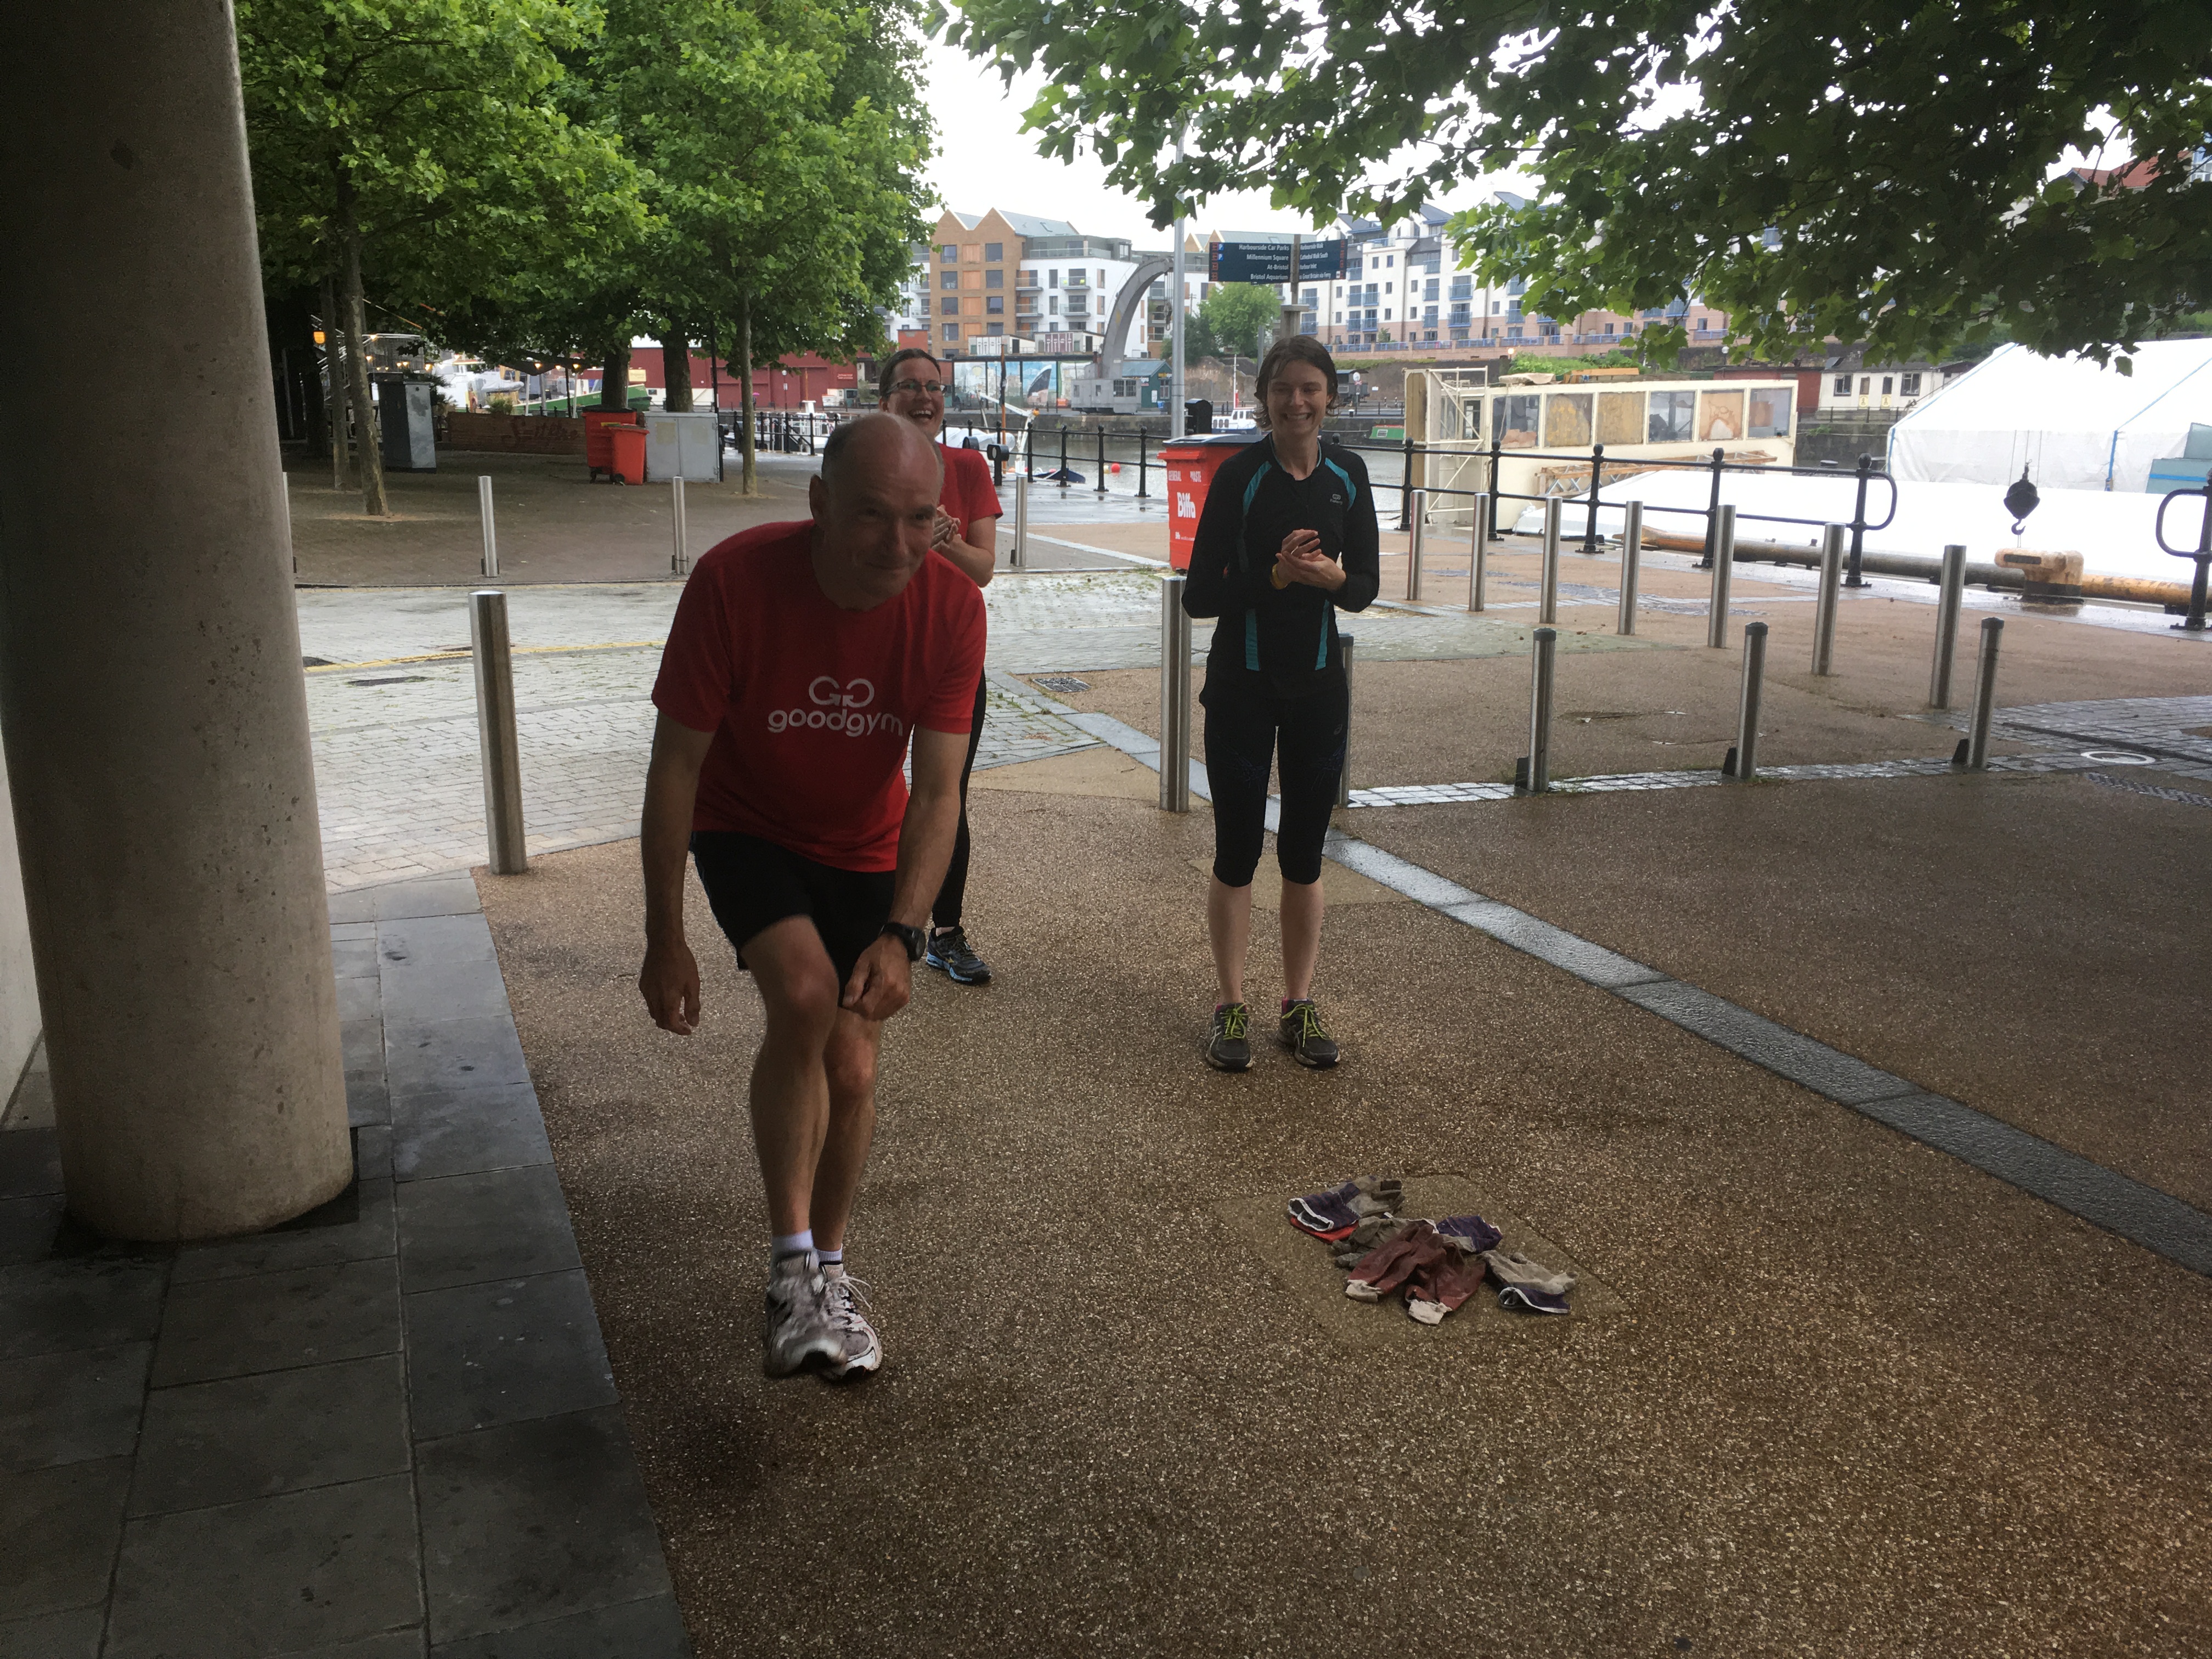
{"points": [[1280, 640]]}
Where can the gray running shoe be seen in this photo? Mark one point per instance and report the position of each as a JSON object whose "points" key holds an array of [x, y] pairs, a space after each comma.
{"points": [[845, 1298], [1228, 1050], [1303, 1036], [950, 953], [796, 1331]]}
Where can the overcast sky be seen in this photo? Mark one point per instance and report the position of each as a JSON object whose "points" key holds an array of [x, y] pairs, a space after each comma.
{"points": [[985, 161]]}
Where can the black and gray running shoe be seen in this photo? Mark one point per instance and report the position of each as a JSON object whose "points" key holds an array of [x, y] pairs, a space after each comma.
{"points": [[1303, 1036], [949, 954], [1228, 1050]]}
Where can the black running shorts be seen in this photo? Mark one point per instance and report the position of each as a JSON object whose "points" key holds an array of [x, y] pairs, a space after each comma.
{"points": [[751, 884]]}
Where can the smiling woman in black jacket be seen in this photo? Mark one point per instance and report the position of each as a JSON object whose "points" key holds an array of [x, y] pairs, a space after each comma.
{"points": [[1287, 540]]}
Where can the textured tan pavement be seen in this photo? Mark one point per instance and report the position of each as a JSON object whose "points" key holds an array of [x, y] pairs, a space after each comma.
{"points": [[1832, 1392]]}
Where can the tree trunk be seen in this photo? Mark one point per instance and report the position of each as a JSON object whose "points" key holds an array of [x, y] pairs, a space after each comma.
{"points": [[374, 501], [614, 377], [751, 485], [334, 386], [676, 361]]}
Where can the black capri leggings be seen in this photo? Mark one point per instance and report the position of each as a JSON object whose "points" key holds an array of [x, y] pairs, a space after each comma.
{"points": [[1305, 737], [945, 913]]}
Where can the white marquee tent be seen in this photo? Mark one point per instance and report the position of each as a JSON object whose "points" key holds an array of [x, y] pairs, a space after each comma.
{"points": [[2071, 423]]}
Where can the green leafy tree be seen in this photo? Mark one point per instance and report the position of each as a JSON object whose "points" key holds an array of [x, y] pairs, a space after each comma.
{"points": [[1234, 319], [1880, 171], [784, 142], [421, 146]]}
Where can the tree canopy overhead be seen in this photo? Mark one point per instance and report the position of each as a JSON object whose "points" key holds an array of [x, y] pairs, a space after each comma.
{"points": [[1873, 170]]}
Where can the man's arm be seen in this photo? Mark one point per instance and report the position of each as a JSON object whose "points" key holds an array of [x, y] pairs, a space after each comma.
{"points": [[669, 982], [883, 979]]}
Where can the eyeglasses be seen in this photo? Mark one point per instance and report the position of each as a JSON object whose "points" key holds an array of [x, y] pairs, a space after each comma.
{"points": [[933, 387]]}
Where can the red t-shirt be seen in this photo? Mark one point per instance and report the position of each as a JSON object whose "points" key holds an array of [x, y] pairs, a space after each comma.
{"points": [[811, 707], [968, 493]]}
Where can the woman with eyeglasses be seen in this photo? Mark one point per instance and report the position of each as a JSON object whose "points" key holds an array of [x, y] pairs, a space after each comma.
{"points": [[912, 383]]}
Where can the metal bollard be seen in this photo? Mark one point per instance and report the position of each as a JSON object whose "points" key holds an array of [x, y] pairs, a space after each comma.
{"points": [[1102, 460], [1413, 546], [1632, 564], [1743, 759], [1950, 594], [1824, 609], [1723, 575], [490, 562], [1175, 697], [1019, 556], [1478, 556], [1973, 750], [503, 764], [680, 562], [1063, 458], [1344, 643], [1536, 768], [1548, 606]]}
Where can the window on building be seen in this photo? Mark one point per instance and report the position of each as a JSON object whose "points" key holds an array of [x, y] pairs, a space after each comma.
{"points": [[948, 279], [1909, 385], [1866, 385], [1843, 386], [949, 252], [952, 330], [1671, 418], [1390, 259], [1385, 287], [1428, 314], [1101, 279], [1308, 299], [1386, 313], [1888, 384], [994, 328], [1608, 328], [1052, 279], [995, 304], [1494, 306], [925, 305], [994, 251], [1429, 288], [1052, 304], [994, 279]]}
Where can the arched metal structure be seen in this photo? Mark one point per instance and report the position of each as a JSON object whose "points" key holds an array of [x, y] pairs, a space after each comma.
{"points": [[1150, 269]]}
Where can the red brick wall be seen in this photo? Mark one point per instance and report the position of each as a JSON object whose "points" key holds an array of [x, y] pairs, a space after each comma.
{"points": [[522, 434]]}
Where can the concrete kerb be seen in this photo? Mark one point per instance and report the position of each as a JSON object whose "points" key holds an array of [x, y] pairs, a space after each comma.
{"points": [[2141, 1213]]}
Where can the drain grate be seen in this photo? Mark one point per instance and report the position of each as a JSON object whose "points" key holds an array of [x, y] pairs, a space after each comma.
{"points": [[395, 679], [1060, 683], [2134, 789]]}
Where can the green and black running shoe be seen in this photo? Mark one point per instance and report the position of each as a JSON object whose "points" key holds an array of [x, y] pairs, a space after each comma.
{"points": [[1228, 1050], [1303, 1036]]}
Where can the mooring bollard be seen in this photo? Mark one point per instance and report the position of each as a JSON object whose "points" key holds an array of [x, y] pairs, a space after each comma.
{"points": [[1021, 553], [1973, 750], [491, 561], [1950, 594], [1723, 574], [1823, 608], [1175, 697], [1548, 606], [1420, 512], [1535, 767], [1344, 643], [1631, 563], [1743, 760], [680, 561], [1478, 556], [502, 759]]}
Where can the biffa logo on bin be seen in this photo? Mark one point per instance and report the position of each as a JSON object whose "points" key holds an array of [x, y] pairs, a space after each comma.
{"points": [[838, 708]]}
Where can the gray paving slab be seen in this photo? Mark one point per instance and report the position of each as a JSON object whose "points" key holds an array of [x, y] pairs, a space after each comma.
{"points": [[354, 958], [30, 1163], [470, 1228], [56, 1307], [59, 1530], [437, 1056], [443, 990], [393, 1644], [1801, 1059], [420, 941], [372, 1152], [361, 1042], [360, 998], [358, 1227], [546, 1517], [267, 1321], [479, 1356], [368, 1100], [71, 1408], [650, 1629], [244, 1437], [270, 1576], [467, 1131], [28, 1227], [72, 1635]]}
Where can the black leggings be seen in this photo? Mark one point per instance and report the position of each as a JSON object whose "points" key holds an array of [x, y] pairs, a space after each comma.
{"points": [[1305, 737], [945, 913]]}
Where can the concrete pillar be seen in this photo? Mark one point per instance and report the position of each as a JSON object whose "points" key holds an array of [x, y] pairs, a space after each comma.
{"points": [[150, 697]]}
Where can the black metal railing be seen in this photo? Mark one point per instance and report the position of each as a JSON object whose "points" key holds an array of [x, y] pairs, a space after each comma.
{"points": [[2202, 552]]}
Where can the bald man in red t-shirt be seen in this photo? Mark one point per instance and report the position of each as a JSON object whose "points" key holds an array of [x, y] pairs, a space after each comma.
{"points": [[802, 661]]}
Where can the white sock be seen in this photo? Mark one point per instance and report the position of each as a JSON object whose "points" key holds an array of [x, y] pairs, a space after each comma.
{"points": [[797, 1243], [831, 1258]]}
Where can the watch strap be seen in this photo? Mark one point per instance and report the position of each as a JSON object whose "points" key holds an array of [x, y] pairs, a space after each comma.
{"points": [[914, 939]]}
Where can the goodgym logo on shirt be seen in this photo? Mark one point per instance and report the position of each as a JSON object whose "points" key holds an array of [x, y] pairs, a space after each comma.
{"points": [[838, 706]]}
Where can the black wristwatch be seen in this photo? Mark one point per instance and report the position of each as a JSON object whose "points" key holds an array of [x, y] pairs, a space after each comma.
{"points": [[913, 937]]}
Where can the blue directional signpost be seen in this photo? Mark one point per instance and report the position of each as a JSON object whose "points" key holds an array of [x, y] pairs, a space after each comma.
{"points": [[1271, 262]]}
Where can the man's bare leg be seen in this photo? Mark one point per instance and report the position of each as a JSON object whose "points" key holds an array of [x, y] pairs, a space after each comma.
{"points": [[790, 1097], [850, 1067]]}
